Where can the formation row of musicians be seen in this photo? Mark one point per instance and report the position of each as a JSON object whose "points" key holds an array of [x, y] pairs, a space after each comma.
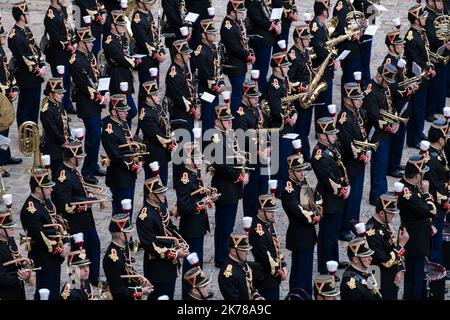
{"points": [[338, 160]]}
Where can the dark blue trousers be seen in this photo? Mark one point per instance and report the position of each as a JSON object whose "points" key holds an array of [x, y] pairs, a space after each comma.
{"points": [[262, 62], [225, 217], [4, 154], [256, 186], [133, 109], [195, 245], [448, 79], [49, 280], [302, 269], [92, 246], [378, 171], [437, 251], [414, 276], [327, 248], [163, 288], [236, 91], [118, 194], [66, 101], [436, 94], [285, 151], [353, 202], [97, 45], [272, 294], [366, 53], [28, 105], [396, 149], [303, 127], [416, 121], [208, 114], [93, 126], [348, 67], [324, 99]]}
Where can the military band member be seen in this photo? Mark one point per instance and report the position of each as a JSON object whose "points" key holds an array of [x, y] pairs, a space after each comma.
{"points": [[417, 208], [155, 126], [358, 283], [388, 251], [438, 177], [379, 99], [303, 208], [400, 101], [174, 12], [300, 71], [416, 51], [236, 275], [249, 119], [124, 159], [333, 186], [90, 101], [233, 35], [179, 88], [325, 287], [56, 130], [192, 208], [79, 288], [199, 283], [60, 47], [95, 9], [229, 179], [120, 62], [289, 15], [352, 62], [281, 116], [162, 255], [266, 248], [30, 65], [438, 84], [12, 276], [351, 125], [321, 35], [47, 248], [267, 33], [145, 35], [8, 87], [203, 9], [206, 59], [70, 188], [124, 282]]}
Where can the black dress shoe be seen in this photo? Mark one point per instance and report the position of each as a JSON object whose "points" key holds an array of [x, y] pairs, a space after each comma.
{"points": [[343, 265], [397, 173], [347, 236], [90, 179], [6, 174], [13, 160], [431, 118], [100, 173]]}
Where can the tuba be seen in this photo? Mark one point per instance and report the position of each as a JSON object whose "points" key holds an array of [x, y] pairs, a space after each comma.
{"points": [[29, 141], [355, 21], [7, 113]]}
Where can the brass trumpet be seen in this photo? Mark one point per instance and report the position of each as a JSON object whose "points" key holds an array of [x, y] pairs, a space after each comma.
{"points": [[140, 279], [92, 188], [211, 195], [366, 145], [392, 118]]}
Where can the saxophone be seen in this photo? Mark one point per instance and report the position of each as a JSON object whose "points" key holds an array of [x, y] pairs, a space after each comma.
{"points": [[316, 86]]}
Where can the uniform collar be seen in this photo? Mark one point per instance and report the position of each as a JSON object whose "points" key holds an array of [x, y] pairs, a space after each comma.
{"points": [[417, 28], [152, 205], [118, 245], [394, 55], [262, 220], [364, 273]]}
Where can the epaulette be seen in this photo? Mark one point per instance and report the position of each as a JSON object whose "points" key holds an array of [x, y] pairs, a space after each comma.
{"points": [[240, 111], [318, 154], [66, 291], [109, 128], [50, 14], [406, 193], [185, 178], [343, 118], [108, 39], [289, 187], [314, 27], [215, 138], [44, 107], [143, 214], [12, 33], [198, 50], [72, 58], [370, 232], [228, 271], [142, 114], [292, 55], [275, 84], [173, 71], [228, 24], [410, 35], [137, 18], [31, 209], [113, 255], [259, 229], [62, 176], [339, 6], [351, 283]]}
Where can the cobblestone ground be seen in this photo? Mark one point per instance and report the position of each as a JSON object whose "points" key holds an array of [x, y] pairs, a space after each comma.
{"points": [[17, 184]]}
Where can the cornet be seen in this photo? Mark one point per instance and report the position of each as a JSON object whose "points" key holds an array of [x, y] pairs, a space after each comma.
{"points": [[392, 118], [366, 145]]}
